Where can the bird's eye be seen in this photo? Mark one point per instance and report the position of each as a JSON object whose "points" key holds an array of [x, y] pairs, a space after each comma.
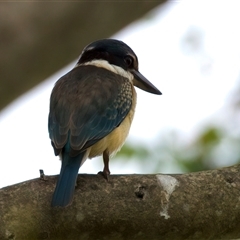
{"points": [[129, 61]]}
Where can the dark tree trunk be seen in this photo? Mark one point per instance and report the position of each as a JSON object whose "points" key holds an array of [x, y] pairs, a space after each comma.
{"points": [[39, 38]]}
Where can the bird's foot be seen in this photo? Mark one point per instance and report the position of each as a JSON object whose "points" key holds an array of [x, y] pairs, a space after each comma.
{"points": [[105, 174]]}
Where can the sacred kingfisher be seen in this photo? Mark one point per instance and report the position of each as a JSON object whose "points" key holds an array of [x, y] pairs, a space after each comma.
{"points": [[92, 108]]}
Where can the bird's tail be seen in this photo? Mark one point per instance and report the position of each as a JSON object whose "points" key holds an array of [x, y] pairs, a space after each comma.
{"points": [[63, 194]]}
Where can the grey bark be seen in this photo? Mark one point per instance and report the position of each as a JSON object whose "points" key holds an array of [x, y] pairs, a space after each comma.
{"points": [[201, 205], [39, 38]]}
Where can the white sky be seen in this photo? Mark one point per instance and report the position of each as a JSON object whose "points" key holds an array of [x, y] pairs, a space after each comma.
{"points": [[195, 85]]}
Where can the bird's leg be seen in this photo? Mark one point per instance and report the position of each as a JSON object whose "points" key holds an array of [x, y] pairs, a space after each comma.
{"points": [[106, 171]]}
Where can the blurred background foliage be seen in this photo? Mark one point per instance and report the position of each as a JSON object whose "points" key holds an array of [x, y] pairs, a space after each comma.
{"points": [[212, 148]]}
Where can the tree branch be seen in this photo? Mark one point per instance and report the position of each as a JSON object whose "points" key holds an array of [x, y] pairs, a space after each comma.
{"points": [[201, 205]]}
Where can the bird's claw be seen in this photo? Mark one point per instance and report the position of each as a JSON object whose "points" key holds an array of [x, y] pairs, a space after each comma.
{"points": [[105, 174]]}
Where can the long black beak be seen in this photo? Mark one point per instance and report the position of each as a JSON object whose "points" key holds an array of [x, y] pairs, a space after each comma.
{"points": [[141, 82]]}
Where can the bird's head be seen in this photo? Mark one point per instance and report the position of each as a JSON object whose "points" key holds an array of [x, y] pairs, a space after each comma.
{"points": [[118, 57]]}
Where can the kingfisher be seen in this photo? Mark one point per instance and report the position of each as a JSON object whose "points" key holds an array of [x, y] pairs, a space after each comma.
{"points": [[91, 110]]}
